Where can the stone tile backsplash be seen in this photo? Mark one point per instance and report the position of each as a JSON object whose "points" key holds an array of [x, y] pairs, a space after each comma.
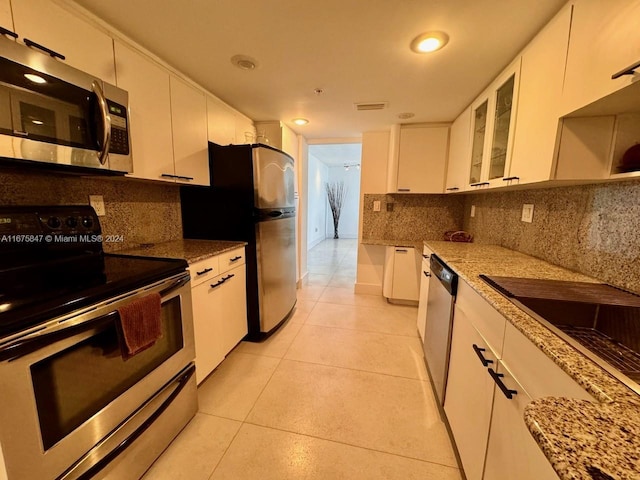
{"points": [[591, 229], [413, 217], [141, 212]]}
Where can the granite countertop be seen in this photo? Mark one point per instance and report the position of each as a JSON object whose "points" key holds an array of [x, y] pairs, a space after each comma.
{"points": [[394, 243], [581, 439], [191, 250]]}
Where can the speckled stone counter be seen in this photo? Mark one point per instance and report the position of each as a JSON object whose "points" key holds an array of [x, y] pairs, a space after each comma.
{"points": [[578, 437], [191, 250], [394, 243]]}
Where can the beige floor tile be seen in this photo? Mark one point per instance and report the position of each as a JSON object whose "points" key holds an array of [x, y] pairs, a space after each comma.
{"points": [[342, 281], [367, 351], [381, 412], [315, 279], [310, 292], [346, 296], [196, 451], [393, 320], [274, 346], [259, 453], [323, 269], [234, 387]]}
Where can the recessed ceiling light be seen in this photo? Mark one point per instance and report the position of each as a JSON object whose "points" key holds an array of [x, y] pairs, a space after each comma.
{"points": [[244, 62], [300, 121], [318, 91], [34, 78], [429, 42], [406, 115]]}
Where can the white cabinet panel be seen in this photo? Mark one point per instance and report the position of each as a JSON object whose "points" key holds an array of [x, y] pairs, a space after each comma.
{"points": [[189, 125], [221, 122], [207, 309], [541, 77], [469, 396], [405, 274], [6, 21], [243, 125], [422, 158], [233, 311], [84, 46], [458, 164], [425, 278], [604, 40], [150, 110]]}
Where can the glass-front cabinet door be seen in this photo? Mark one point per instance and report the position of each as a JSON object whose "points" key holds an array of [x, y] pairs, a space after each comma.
{"points": [[495, 113]]}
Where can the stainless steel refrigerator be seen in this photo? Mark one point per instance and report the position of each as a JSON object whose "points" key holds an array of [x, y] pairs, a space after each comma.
{"points": [[251, 199]]}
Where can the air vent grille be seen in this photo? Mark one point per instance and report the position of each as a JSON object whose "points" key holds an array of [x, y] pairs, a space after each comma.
{"points": [[371, 106]]}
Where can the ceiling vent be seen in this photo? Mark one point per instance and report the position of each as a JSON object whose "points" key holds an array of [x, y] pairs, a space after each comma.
{"points": [[371, 106]]}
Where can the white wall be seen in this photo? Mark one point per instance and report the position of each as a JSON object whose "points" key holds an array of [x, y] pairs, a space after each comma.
{"points": [[375, 155], [317, 198], [348, 226]]}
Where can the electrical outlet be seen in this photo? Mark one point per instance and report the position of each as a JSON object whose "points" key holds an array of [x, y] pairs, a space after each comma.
{"points": [[97, 202], [473, 211], [527, 212], [376, 205]]}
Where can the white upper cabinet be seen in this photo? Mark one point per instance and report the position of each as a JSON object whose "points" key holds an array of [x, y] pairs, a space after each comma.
{"points": [[419, 159], [493, 123], [84, 46], [150, 111], [243, 126], [189, 126], [458, 165], [605, 39], [6, 20], [541, 76], [221, 122]]}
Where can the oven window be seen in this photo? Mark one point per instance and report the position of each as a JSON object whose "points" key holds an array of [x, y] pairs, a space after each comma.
{"points": [[73, 385]]}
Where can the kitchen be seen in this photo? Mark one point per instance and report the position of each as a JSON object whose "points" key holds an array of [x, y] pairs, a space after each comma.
{"points": [[589, 229]]}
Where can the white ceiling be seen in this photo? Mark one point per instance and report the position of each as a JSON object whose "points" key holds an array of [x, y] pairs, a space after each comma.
{"points": [[335, 155], [356, 50]]}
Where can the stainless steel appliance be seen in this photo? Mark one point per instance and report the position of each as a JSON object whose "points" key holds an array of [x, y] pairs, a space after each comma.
{"points": [[437, 338], [72, 407], [251, 199], [51, 112]]}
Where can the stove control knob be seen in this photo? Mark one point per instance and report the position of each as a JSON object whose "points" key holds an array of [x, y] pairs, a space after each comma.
{"points": [[54, 222], [87, 222], [72, 222]]}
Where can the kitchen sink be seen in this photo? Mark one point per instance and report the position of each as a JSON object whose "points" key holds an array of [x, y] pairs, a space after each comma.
{"points": [[601, 321]]}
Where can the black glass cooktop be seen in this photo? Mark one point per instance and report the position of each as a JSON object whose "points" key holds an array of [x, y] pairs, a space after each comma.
{"points": [[38, 294]]}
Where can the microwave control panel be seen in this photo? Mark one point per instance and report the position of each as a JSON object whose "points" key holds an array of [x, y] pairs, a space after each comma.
{"points": [[119, 129]]}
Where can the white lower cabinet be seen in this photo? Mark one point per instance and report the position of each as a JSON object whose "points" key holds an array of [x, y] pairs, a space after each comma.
{"points": [[219, 308], [425, 277], [401, 277]]}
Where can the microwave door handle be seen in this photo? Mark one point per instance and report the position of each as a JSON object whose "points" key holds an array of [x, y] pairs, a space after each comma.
{"points": [[106, 122]]}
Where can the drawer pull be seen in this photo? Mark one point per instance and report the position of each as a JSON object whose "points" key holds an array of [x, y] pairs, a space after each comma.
{"points": [[426, 256], [630, 70], [404, 189], [206, 270], [219, 282], [229, 276], [478, 350], [235, 259], [31, 43], [401, 250], [5, 31], [426, 274], [497, 377]]}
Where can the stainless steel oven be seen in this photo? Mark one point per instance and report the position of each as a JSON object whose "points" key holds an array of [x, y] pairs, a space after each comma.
{"points": [[72, 406], [51, 112]]}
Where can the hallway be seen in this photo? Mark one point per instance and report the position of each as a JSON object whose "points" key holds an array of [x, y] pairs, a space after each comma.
{"points": [[339, 392]]}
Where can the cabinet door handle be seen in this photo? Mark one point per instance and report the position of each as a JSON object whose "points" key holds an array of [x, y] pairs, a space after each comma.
{"points": [[452, 189], [630, 70], [235, 259], [426, 274], [404, 189], [219, 282], [426, 256], [478, 350], [507, 179], [5, 31], [168, 175], [480, 184], [31, 43], [497, 377], [182, 177], [206, 270], [401, 250]]}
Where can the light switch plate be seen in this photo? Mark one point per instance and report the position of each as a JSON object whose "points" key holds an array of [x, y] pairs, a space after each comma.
{"points": [[473, 211], [376, 205], [97, 202], [527, 212]]}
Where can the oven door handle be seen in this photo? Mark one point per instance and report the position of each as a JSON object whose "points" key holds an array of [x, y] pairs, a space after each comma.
{"points": [[40, 339], [106, 122], [88, 466]]}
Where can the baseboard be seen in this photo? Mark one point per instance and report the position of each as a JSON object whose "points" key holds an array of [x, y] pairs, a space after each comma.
{"points": [[302, 281], [410, 303], [368, 288]]}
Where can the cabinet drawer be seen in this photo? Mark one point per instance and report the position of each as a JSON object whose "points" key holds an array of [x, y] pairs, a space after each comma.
{"points": [[204, 270], [232, 259], [487, 320]]}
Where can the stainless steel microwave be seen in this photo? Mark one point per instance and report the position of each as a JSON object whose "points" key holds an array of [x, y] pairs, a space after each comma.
{"points": [[51, 112]]}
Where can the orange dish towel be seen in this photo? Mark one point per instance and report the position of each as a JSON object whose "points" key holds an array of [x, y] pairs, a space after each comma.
{"points": [[140, 324]]}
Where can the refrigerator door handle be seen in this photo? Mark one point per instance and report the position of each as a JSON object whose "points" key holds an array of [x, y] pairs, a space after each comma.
{"points": [[275, 213]]}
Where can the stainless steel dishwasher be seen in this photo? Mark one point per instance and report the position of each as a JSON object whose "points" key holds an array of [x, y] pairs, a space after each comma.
{"points": [[437, 337]]}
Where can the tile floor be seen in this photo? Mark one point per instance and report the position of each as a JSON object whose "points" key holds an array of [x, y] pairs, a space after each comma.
{"points": [[339, 392]]}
